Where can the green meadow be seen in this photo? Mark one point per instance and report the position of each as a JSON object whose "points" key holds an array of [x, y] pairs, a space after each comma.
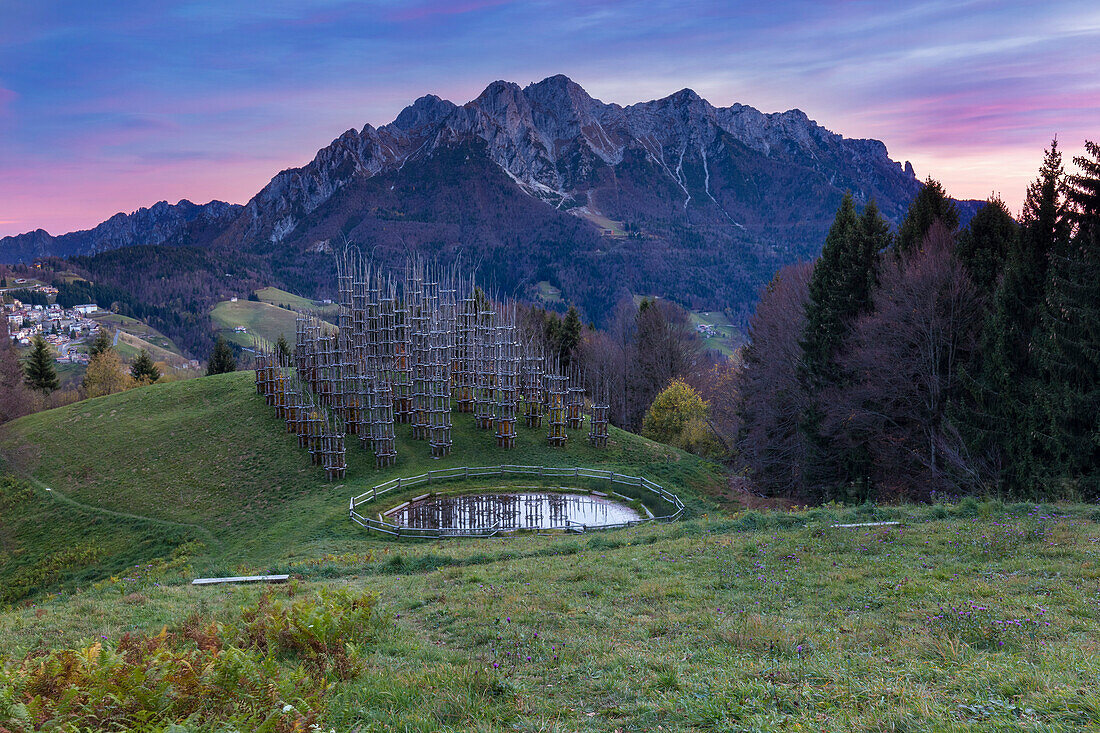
{"points": [[977, 616]]}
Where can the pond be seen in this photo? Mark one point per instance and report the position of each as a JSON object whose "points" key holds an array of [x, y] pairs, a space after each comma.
{"points": [[512, 511]]}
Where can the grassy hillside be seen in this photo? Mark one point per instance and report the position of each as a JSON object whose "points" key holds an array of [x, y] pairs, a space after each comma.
{"points": [[968, 617], [141, 335], [261, 320], [47, 541], [209, 452], [275, 296], [978, 617]]}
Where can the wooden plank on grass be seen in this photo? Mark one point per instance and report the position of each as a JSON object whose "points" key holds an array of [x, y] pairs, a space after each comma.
{"points": [[242, 579], [865, 524]]}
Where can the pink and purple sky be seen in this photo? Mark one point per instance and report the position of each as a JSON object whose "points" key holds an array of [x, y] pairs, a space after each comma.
{"points": [[106, 107]]}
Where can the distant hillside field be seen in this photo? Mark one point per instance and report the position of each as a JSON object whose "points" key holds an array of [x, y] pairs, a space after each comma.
{"points": [[275, 296], [135, 335], [259, 319]]}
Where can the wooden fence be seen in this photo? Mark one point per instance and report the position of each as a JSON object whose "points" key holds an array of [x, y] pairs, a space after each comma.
{"points": [[465, 472]]}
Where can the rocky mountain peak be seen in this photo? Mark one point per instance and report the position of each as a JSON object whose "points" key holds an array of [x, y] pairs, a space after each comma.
{"points": [[428, 110]]}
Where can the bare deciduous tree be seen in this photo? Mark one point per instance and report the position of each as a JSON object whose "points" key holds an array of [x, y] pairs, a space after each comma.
{"points": [[15, 399], [772, 397], [904, 359]]}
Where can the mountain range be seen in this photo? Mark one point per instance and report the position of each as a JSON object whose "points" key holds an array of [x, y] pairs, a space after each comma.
{"points": [[674, 197]]}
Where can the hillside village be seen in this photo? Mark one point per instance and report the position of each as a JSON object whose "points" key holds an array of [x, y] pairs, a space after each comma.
{"points": [[61, 327]]}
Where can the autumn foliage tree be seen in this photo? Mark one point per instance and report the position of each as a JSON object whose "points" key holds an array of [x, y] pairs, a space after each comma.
{"points": [[718, 385], [678, 416], [105, 375], [15, 399]]}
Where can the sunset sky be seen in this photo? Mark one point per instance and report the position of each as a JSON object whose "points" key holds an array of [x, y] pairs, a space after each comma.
{"points": [[104, 111]]}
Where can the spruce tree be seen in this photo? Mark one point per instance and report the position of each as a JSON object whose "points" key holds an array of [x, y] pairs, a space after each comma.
{"points": [[841, 289], [999, 419], [38, 369], [221, 359], [830, 303], [930, 204], [143, 369], [984, 244], [282, 349], [101, 343], [569, 335], [1069, 351]]}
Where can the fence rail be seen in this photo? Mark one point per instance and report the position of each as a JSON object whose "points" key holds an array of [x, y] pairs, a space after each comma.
{"points": [[464, 472]]}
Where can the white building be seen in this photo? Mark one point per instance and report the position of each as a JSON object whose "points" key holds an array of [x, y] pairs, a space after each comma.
{"points": [[86, 308]]}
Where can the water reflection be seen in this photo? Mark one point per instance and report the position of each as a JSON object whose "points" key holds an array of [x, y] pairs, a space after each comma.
{"points": [[510, 511]]}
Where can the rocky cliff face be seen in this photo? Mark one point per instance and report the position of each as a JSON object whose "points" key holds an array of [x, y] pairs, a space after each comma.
{"points": [[563, 146], [161, 223]]}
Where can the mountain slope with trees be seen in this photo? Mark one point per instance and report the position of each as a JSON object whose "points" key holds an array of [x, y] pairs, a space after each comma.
{"points": [[542, 184]]}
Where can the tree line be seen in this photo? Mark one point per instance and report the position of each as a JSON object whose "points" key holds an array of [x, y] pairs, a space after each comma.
{"points": [[936, 361]]}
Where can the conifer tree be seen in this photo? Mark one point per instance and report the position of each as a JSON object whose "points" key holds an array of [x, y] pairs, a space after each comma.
{"points": [[930, 204], [830, 303], [143, 369], [282, 349], [101, 343], [984, 244], [841, 289], [999, 417], [1069, 351], [569, 335], [38, 369], [221, 359]]}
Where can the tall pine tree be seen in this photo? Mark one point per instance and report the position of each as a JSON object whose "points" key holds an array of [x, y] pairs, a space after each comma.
{"points": [[930, 204], [1000, 420], [282, 349], [143, 370], [221, 359], [984, 245], [841, 289], [1069, 351], [38, 369]]}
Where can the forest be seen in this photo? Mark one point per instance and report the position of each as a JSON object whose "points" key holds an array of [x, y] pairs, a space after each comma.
{"points": [[935, 361]]}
